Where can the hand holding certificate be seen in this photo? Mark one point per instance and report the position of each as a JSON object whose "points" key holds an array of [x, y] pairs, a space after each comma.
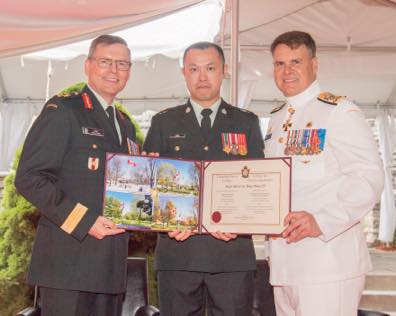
{"points": [[161, 194]]}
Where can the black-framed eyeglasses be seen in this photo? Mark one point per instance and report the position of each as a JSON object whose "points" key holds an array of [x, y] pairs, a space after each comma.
{"points": [[106, 63]]}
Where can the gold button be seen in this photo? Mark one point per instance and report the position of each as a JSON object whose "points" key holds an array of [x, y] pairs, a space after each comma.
{"points": [[94, 146], [309, 125], [291, 110], [206, 148], [177, 148], [280, 140]]}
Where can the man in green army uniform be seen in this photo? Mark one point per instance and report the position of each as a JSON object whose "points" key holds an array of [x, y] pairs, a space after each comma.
{"points": [[215, 270], [79, 256]]}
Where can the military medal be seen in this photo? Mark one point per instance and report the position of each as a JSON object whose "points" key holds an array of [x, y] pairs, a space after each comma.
{"points": [[133, 148], [287, 125], [242, 147], [234, 143], [305, 142]]}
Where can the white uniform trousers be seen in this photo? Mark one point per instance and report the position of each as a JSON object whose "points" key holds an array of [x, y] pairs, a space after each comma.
{"points": [[339, 298]]}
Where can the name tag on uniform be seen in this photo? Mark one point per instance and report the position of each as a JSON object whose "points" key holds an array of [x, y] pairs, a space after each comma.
{"points": [[93, 131], [177, 136]]}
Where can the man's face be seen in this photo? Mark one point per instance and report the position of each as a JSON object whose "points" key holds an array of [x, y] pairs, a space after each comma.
{"points": [[203, 72], [294, 69], [107, 82]]}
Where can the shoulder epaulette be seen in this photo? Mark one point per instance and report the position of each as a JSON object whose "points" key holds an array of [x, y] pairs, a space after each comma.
{"points": [[183, 107], [68, 94], [246, 111], [278, 108], [330, 98]]}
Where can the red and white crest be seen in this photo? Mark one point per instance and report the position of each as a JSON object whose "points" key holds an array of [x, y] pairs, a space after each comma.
{"points": [[93, 163]]}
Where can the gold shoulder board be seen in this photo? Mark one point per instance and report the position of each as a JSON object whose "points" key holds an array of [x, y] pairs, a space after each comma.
{"points": [[330, 98]]}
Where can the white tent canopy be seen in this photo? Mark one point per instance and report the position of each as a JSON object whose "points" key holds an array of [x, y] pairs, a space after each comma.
{"points": [[31, 25]]}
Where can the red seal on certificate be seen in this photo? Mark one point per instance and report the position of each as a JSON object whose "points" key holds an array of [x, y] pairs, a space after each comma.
{"points": [[216, 216]]}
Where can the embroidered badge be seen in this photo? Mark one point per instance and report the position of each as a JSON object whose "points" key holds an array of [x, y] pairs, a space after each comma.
{"points": [[93, 163], [87, 101]]}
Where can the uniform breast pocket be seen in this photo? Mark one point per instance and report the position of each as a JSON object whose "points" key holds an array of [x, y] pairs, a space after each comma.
{"points": [[309, 167], [89, 156]]}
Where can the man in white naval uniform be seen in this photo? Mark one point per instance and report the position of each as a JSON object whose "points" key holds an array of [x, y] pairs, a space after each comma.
{"points": [[319, 263]]}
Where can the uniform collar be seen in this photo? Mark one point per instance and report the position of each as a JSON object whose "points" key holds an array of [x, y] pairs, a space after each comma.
{"points": [[198, 108], [102, 101], [308, 94]]}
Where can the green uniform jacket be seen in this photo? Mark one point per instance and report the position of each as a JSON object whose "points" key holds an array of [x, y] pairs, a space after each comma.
{"points": [[175, 133], [61, 172]]}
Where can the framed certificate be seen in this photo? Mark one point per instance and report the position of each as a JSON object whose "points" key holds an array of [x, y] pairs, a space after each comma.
{"points": [[162, 194]]}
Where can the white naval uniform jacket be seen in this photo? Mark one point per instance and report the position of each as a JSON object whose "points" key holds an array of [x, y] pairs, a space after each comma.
{"points": [[338, 186]]}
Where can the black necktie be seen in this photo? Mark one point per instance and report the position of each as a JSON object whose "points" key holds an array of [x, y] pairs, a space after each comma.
{"points": [[110, 111], [206, 123]]}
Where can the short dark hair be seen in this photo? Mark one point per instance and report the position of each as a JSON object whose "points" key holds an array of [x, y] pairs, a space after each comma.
{"points": [[107, 40], [205, 45], [294, 39]]}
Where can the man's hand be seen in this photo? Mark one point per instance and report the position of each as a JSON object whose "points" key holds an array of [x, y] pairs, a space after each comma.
{"points": [[300, 225], [104, 227], [223, 236], [151, 154], [180, 235]]}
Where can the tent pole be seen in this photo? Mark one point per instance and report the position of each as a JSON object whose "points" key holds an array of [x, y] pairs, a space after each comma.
{"points": [[3, 92], [234, 50]]}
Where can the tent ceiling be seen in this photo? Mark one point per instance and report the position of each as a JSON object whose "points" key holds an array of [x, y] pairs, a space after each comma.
{"points": [[32, 25]]}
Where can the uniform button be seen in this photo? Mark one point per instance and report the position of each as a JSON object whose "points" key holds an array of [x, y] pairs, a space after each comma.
{"points": [[206, 148], [94, 146], [291, 111], [280, 140], [177, 148]]}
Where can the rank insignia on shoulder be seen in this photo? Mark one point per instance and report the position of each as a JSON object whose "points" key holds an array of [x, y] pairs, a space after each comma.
{"points": [[67, 94], [87, 101], [330, 98], [278, 108], [52, 106]]}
